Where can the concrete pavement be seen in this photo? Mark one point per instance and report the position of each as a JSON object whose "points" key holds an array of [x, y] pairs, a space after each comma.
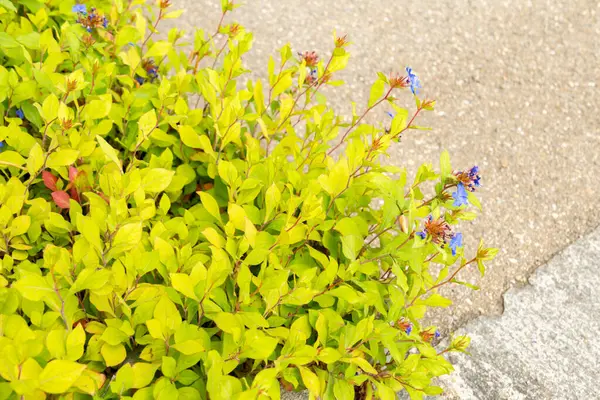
{"points": [[544, 346]]}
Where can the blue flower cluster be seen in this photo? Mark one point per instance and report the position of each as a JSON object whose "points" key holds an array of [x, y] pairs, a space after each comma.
{"points": [[468, 180], [91, 21], [441, 233], [413, 81]]}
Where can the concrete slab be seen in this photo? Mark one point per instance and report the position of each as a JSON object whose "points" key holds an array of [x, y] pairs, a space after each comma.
{"points": [[544, 346]]}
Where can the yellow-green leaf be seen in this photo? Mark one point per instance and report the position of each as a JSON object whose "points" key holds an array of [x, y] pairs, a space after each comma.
{"points": [[59, 375], [109, 151]]}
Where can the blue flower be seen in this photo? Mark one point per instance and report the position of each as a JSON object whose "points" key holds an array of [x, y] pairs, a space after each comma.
{"points": [[460, 196], [1, 145], [139, 80], [105, 22], [437, 334], [413, 81], [89, 29], [421, 234], [20, 114], [391, 114], [79, 9], [456, 242], [409, 329]]}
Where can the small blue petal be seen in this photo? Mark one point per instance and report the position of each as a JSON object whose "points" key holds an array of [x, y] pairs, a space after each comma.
{"points": [[20, 114], [391, 114], [456, 242], [460, 196], [139, 80], [422, 235], [414, 82], [79, 9], [1, 145], [437, 334], [409, 329]]}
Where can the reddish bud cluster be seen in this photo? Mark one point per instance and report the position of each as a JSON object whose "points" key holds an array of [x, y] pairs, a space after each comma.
{"points": [[311, 59], [341, 41], [234, 29], [88, 40], [66, 124], [71, 85], [439, 230], [398, 81], [404, 325], [164, 4], [427, 336]]}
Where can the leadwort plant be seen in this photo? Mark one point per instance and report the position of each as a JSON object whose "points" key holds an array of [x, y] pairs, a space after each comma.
{"points": [[169, 233]]}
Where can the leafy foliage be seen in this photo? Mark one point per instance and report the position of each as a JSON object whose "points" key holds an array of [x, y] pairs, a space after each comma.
{"points": [[169, 233]]}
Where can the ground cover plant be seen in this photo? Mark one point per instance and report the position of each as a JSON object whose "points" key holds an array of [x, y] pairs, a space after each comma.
{"points": [[169, 232]]}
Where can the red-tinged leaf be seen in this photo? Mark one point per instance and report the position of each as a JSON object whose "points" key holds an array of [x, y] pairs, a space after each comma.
{"points": [[75, 194], [72, 174], [61, 198], [49, 180]]}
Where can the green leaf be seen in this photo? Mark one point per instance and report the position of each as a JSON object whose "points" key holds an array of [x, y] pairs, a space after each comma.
{"points": [[11, 159], [189, 137], [143, 374], [75, 343], [19, 225], [109, 151], [147, 122], [376, 92], [8, 5], [210, 204], [228, 322], [128, 236], [50, 108], [445, 167], [437, 300], [159, 49], [311, 381], [183, 284], [90, 231], [169, 367], [35, 161], [167, 314], [157, 180], [59, 375], [343, 390], [62, 158], [33, 287], [113, 355]]}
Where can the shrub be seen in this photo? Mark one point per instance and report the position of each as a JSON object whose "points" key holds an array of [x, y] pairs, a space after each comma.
{"points": [[168, 232]]}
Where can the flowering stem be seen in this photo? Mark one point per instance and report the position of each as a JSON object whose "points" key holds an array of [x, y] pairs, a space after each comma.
{"points": [[442, 283], [160, 15], [321, 82], [409, 123], [358, 120]]}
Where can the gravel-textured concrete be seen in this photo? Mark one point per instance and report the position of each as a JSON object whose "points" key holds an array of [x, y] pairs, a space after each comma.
{"points": [[544, 346], [516, 83]]}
